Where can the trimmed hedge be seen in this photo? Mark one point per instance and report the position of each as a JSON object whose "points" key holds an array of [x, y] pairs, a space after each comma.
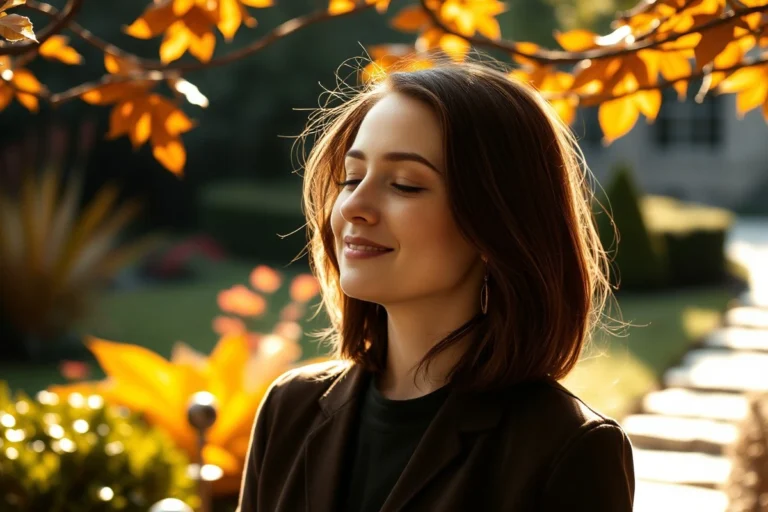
{"points": [[638, 259], [255, 220], [663, 241], [694, 238]]}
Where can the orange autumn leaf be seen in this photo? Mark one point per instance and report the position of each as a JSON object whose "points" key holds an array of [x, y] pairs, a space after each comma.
{"points": [[713, 41], [20, 80], [554, 84], [673, 66], [336, 7], [751, 87], [411, 19], [389, 58], [241, 301], [13, 27], [56, 47], [618, 116], [304, 287], [468, 17], [577, 40], [265, 279]]}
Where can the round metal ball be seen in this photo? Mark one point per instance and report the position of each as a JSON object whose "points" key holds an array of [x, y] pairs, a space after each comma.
{"points": [[170, 505], [201, 412]]}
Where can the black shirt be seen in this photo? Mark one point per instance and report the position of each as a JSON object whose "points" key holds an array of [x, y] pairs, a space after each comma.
{"points": [[387, 434]]}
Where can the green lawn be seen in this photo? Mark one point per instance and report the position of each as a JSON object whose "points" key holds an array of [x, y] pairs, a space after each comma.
{"points": [[615, 371]]}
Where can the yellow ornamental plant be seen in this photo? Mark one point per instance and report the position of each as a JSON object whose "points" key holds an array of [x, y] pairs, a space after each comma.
{"points": [[160, 389]]}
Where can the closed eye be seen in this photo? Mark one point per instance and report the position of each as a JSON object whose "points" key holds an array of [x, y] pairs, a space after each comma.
{"points": [[402, 188]]}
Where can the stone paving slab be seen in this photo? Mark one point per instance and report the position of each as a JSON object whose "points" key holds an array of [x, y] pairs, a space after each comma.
{"points": [[697, 404], [738, 338], [747, 316], [720, 370], [688, 468], [659, 497], [753, 299], [658, 432]]}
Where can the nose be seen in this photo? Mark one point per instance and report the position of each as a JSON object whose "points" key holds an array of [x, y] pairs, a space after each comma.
{"points": [[360, 206]]}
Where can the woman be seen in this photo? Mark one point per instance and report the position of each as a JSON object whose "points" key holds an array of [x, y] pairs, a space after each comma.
{"points": [[452, 234]]}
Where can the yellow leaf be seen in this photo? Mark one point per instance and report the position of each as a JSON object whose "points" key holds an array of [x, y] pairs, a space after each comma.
{"points": [[566, 109], [155, 20], [577, 40], [175, 42], [749, 99], [202, 47], [744, 78], [121, 119], [617, 117], [181, 7], [337, 7], [489, 27], [648, 102], [56, 47], [526, 48], [171, 154], [28, 100], [674, 65], [411, 19], [112, 93], [8, 4], [258, 3], [6, 95], [26, 81], [713, 41], [16, 28], [141, 123], [456, 47], [229, 18]]}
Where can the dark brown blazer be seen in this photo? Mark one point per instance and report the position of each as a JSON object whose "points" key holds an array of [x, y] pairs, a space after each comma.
{"points": [[534, 447]]}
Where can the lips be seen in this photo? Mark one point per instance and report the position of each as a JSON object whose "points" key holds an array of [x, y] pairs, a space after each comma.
{"points": [[358, 243]]}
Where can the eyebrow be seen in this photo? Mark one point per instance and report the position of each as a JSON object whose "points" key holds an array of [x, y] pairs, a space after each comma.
{"points": [[395, 156]]}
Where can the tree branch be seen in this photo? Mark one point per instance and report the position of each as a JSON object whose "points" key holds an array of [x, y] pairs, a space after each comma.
{"points": [[157, 71], [284, 29], [594, 99], [89, 37], [56, 26], [565, 57]]}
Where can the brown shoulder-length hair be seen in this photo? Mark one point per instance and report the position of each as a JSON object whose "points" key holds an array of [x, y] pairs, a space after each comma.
{"points": [[518, 190]]}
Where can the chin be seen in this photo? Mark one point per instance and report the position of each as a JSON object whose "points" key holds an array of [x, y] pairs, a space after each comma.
{"points": [[360, 288]]}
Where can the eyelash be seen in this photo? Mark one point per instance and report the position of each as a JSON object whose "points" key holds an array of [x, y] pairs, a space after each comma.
{"points": [[401, 188]]}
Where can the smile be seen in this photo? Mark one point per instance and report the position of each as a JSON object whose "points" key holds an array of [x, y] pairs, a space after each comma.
{"points": [[360, 252]]}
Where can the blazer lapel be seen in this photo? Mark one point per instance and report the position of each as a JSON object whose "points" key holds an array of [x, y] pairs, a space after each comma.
{"points": [[442, 442], [326, 445]]}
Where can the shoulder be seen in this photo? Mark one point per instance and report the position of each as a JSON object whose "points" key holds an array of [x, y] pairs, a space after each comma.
{"points": [[552, 399], [553, 418], [307, 383]]}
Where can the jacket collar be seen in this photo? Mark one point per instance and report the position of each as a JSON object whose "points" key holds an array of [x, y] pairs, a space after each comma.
{"points": [[327, 444]]}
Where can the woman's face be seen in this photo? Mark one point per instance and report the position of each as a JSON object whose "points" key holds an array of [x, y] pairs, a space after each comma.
{"points": [[395, 196]]}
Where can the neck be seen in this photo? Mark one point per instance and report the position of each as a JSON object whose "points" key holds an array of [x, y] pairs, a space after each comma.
{"points": [[412, 330]]}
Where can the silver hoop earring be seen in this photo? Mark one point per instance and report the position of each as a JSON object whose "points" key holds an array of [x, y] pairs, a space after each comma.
{"points": [[484, 294]]}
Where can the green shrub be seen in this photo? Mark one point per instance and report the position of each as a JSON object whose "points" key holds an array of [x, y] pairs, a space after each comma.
{"points": [[747, 485], [81, 456], [638, 258], [694, 238], [250, 219]]}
